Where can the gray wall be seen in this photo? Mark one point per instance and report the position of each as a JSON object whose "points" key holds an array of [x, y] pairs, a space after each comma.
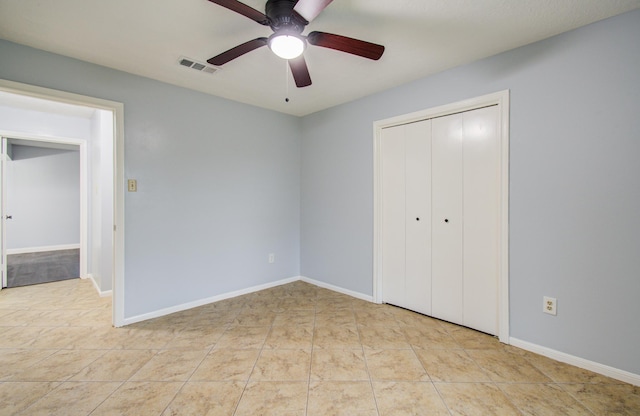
{"points": [[574, 192], [43, 197], [218, 182]]}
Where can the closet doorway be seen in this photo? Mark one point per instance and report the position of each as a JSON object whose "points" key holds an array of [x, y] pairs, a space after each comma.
{"points": [[441, 213]]}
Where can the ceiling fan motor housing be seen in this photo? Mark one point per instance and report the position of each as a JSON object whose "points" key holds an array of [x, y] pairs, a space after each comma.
{"points": [[282, 18]]}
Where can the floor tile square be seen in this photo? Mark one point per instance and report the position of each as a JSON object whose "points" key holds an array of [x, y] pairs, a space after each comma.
{"points": [[282, 365], [73, 398], [403, 398], [170, 365], [142, 398], [226, 365], [542, 399], [17, 396], [341, 398], [271, 398], [395, 365], [475, 399], [115, 365], [338, 365], [206, 398]]}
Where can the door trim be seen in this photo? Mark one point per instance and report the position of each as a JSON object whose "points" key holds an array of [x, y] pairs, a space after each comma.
{"points": [[501, 99], [118, 174]]}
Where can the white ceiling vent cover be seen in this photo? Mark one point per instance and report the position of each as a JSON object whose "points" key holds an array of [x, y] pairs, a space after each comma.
{"points": [[197, 65]]}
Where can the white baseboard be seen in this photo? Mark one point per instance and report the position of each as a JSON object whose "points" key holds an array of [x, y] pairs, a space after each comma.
{"points": [[101, 293], [605, 370], [206, 301], [42, 248], [338, 289]]}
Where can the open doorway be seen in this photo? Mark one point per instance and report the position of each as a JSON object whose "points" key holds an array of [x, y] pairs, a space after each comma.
{"points": [[41, 198], [95, 127]]}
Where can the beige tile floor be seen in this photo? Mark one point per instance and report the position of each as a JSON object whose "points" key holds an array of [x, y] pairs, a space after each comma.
{"points": [[291, 350]]}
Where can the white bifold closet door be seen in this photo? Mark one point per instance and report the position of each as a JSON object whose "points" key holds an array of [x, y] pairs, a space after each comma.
{"points": [[481, 213], [440, 213], [406, 182]]}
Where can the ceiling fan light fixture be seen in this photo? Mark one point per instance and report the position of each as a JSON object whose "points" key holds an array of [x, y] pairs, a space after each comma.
{"points": [[286, 46]]}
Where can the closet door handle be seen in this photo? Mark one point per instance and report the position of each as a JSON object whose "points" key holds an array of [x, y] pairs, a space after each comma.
{"points": [[9, 217], [446, 220]]}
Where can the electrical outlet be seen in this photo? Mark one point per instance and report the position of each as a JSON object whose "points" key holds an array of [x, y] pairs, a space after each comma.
{"points": [[272, 258], [550, 305]]}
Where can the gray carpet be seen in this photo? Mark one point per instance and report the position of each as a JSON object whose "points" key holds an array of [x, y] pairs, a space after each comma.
{"points": [[47, 266]]}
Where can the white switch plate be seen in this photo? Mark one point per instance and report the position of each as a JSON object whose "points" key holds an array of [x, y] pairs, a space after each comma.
{"points": [[272, 258], [550, 305], [132, 185]]}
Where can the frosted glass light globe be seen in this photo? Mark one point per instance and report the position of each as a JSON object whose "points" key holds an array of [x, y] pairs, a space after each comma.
{"points": [[286, 46]]}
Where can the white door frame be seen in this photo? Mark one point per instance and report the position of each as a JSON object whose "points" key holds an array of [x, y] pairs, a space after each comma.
{"points": [[118, 189], [82, 147], [501, 99]]}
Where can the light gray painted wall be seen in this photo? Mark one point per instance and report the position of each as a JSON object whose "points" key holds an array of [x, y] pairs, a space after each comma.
{"points": [[574, 192], [218, 182], [43, 197]]}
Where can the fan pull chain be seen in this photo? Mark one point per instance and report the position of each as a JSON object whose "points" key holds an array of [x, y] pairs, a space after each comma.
{"points": [[286, 80]]}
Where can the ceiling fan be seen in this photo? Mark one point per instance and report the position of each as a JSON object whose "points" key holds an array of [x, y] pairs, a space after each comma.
{"points": [[287, 19]]}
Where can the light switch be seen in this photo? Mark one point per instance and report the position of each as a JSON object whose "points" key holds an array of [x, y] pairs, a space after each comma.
{"points": [[133, 185]]}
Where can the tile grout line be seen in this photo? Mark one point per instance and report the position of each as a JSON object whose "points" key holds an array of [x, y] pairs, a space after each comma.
{"points": [[190, 375], [560, 385], [366, 363], [313, 337], [491, 380], [427, 372], [235, 410]]}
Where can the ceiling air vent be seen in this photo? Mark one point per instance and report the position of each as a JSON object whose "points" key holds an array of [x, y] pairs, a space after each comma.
{"points": [[198, 66]]}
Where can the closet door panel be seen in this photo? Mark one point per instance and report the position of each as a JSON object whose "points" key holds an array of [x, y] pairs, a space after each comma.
{"points": [[481, 218], [393, 215], [447, 200], [418, 217]]}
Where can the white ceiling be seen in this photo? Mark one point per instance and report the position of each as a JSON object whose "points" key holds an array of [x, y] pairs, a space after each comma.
{"points": [[422, 37]]}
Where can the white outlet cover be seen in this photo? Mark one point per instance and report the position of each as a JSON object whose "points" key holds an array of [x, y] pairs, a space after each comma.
{"points": [[550, 305]]}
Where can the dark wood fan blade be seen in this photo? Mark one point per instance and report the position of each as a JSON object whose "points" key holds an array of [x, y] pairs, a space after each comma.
{"points": [[244, 10], [310, 9], [239, 50], [345, 44], [300, 71]]}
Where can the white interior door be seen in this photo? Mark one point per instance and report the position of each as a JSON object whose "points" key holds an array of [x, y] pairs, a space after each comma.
{"points": [[418, 217], [466, 198], [447, 264], [393, 215], [481, 184], [406, 182]]}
